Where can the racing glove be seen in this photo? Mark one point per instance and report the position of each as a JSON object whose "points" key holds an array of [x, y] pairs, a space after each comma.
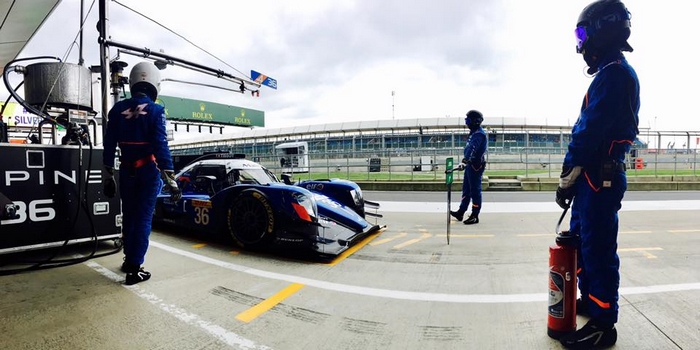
{"points": [[566, 189], [169, 179], [463, 164], [109, 184]]}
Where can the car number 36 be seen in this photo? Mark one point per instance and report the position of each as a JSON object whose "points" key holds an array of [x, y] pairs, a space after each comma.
{"points": [[201, 216]]}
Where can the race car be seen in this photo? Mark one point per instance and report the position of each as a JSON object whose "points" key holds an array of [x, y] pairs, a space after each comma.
{"points": [[223, 193]]}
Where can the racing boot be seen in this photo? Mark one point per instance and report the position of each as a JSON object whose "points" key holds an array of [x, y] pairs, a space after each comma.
{"points": [[472, 219], [136, 277], [459, 215], [135, 274], [594, 335]]}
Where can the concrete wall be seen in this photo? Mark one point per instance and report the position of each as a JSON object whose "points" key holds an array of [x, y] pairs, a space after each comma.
{"points": [[641, 183]]}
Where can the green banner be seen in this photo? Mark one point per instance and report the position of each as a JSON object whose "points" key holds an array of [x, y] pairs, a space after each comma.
{"points": [[186, 110], [183, 109]]}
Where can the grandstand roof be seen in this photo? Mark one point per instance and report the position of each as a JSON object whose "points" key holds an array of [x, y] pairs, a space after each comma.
{"points": [[370, 127]]}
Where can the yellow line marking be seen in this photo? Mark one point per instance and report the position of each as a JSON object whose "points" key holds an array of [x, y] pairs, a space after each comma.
{"points": [[683, 231], [552, 234], [199, 245], [234, 252], [415, 240], [269, 303], [388, 239], [638, 249], [355, 248], [644, 251]]}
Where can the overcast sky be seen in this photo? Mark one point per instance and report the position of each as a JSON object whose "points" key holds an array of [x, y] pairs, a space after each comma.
{"points": [[340, 60]]}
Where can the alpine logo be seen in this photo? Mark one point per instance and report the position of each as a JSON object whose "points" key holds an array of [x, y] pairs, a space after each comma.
{"points": [[39, 177], [135, 113]]}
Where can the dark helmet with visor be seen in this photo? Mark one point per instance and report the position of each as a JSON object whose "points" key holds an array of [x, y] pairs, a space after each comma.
{"points": [[474, 119], [603, 25]]}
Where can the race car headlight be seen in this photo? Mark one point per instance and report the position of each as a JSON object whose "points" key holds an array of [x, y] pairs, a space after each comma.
{"points": [[356, 196], [305, 207]]}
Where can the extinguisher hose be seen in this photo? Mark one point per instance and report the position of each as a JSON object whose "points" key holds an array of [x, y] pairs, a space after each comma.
{"points": [[561, 218]]}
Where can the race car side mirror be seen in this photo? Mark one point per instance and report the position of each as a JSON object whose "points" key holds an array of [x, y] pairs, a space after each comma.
{"points": [[287, 178]]}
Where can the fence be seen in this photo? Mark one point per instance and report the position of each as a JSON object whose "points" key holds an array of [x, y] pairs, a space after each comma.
{"points": [[429, 164], [359, 159]]}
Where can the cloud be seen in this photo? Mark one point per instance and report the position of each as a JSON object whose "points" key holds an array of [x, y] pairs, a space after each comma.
{"points": [[332, 60], [340, 60]]}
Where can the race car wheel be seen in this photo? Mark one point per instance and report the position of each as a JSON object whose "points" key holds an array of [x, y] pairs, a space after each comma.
{"points": [[251, 220]]}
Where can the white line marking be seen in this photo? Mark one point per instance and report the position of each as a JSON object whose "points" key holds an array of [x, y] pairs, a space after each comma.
{"points": [[416, 296], [533, 207], [219, 332]]}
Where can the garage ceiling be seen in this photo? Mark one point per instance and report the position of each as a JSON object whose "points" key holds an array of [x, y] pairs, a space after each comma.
{"points": [[20, 21]]}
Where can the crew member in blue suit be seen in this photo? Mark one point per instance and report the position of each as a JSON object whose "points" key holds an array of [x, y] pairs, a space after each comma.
{"points": [[137, 126], [473, 164], [593, 173]]}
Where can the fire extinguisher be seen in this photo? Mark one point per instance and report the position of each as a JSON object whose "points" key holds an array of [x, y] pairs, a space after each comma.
{"points": [[562, 283]]}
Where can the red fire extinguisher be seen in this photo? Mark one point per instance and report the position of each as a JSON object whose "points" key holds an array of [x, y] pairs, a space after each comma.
{"points": [[562, 283]]}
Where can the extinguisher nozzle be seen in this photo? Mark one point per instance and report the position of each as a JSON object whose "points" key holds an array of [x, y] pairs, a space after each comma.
{"points": [[568, 239]]}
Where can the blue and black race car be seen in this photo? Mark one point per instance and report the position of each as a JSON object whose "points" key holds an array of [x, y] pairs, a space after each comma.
{"points": [[228, 194]]}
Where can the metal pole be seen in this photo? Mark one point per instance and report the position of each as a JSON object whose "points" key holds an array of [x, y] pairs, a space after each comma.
{"points": [[411, 166], [658, 149], [527, 149], [82, 21], [389, 165], [145, 52], [449, 200], [104, 62]]}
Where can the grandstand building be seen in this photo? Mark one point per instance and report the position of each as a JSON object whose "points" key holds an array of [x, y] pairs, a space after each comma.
{"points": [[506, 135], [420, 145]]}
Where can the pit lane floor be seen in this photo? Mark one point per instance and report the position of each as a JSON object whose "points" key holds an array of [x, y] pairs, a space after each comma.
{"points": [[403, 288]]}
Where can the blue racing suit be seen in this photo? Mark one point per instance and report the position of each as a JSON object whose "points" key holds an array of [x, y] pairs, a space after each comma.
{"points": [[602, 135], [137, 126], [474, 153]]}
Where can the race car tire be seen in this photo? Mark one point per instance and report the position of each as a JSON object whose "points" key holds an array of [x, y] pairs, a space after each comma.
{"points": [[251, 220]]}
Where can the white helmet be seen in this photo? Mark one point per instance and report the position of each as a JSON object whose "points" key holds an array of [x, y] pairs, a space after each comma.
{"points": [[145, 78]]}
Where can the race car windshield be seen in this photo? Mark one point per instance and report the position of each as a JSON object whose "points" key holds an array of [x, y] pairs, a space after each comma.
{"points": [[258, 176]]}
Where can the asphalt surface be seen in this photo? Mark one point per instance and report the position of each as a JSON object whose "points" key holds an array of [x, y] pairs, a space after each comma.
{"points": [[404, 288]]}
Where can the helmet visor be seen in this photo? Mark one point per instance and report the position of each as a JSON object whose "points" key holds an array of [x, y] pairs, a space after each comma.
{"points": [[581, 38]]}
